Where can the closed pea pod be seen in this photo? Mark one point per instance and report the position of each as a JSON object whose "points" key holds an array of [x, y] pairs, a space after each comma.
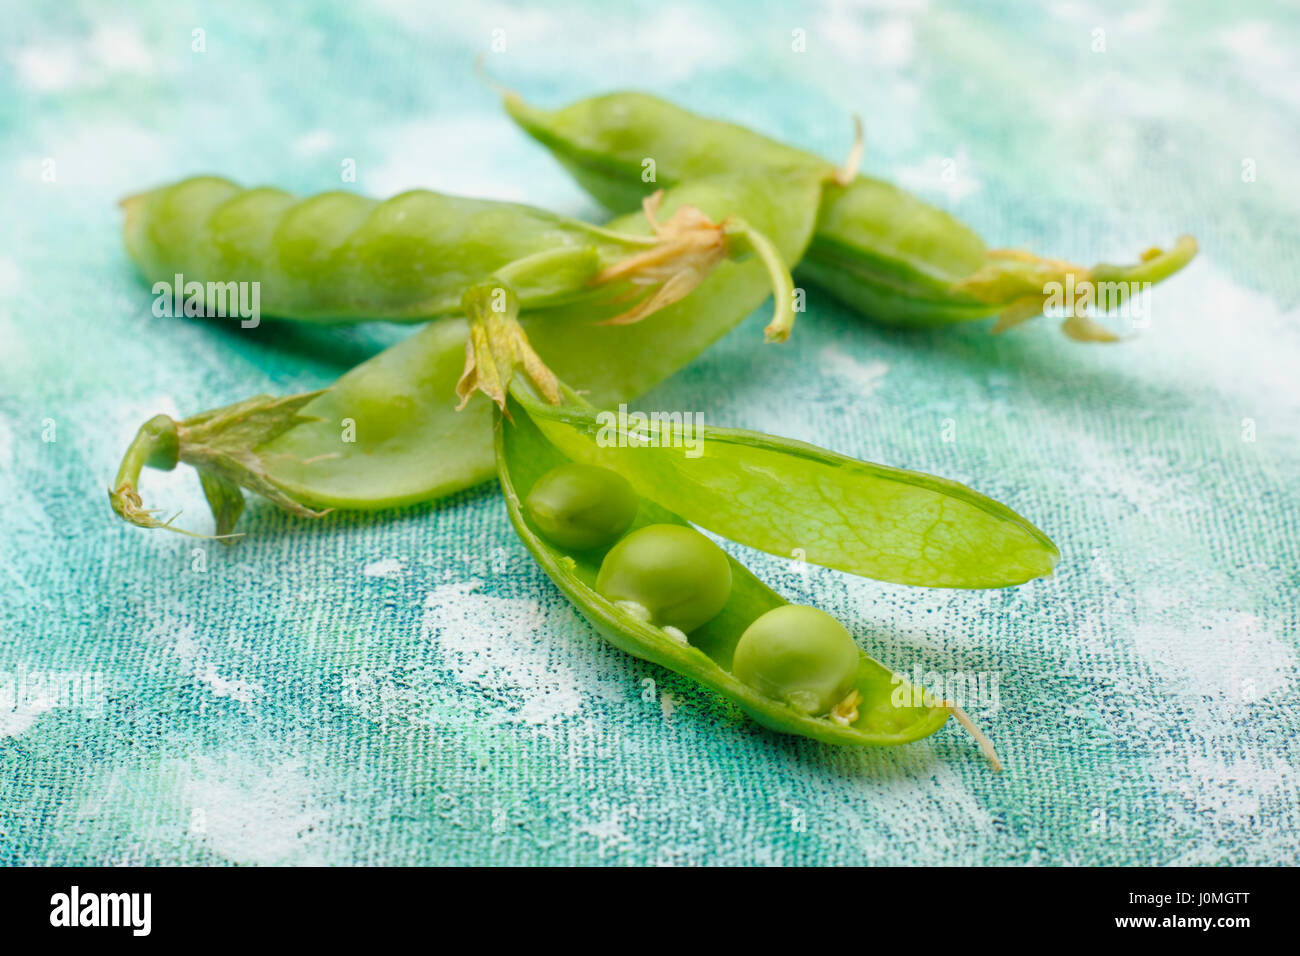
{"points": [[878, 248], [338, 256], [409, 443]]}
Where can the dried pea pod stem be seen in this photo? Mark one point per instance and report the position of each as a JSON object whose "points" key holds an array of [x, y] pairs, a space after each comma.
{"points": [[878, 248], [222, 445]]}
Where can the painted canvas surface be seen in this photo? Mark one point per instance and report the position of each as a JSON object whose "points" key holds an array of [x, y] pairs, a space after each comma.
{"points": [[410, 688]]}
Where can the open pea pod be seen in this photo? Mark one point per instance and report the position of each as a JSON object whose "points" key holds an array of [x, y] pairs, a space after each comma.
{"points": [[524, 454], [388, 433], [883, 251]]}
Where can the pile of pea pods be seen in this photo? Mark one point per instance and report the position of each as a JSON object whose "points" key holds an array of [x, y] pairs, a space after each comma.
{"points": [[552, 319]]}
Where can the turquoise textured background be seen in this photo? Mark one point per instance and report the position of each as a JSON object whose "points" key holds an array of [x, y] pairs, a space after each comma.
{"points": [[409, 688]]}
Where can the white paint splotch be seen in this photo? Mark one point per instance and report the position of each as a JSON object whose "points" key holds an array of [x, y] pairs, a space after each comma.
{"points": [[254, 813], [18, 719], [195, 659], [504, 649], [384, 568], [862, 378]]}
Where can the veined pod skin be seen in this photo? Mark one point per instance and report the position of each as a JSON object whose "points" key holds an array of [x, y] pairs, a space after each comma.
{"points": [[883, 251], [408, 443], [780, 495]]}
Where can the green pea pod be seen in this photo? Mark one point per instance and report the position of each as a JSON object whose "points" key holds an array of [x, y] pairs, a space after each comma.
{"points": [[339, 257], [878, 248], [388, 433], [890, 710], [785, 497]]}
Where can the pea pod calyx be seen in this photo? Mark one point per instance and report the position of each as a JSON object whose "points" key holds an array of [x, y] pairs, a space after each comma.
{"points": [[689, 247], [1022, 285], [222, 445], [497, 346]]}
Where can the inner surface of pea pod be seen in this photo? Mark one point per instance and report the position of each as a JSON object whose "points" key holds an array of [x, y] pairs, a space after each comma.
{"points": [[787, 497], [524, 455]]}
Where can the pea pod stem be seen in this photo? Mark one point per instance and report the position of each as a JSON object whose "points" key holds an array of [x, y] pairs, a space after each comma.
{"points": [[743, 238], [156, 445], [985, 745], [849, 171]]}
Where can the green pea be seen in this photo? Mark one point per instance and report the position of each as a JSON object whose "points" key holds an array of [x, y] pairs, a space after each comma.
{"points": [[799, 655], [582, 506], [675, 573]]}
